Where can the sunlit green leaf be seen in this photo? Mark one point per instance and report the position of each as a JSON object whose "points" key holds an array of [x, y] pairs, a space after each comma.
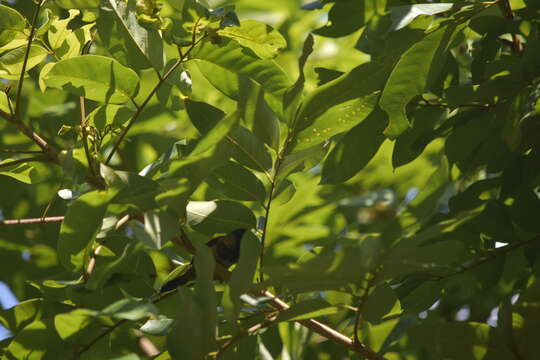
{"points": [[231, 56], [264, 41], [11, 22], [128, 42], [220, 216], [411, 77], [336, 120], [23, 172], [94, 77], [77, 4], [11, 63]]}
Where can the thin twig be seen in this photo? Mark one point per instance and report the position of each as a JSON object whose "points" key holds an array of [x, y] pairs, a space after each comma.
{"points": [[84, 135], [109, 330], [92, 262], [361, 303], [41, 220], [24, 160], [25, 60], [30, 134], [327, 332], [442, 104], [223, 274], [265, 225], [13, 151], [145, 102], [492, 255], [266, 323]]}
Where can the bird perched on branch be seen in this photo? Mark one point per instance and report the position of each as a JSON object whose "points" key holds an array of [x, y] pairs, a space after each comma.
{"points": [[226, 250]]}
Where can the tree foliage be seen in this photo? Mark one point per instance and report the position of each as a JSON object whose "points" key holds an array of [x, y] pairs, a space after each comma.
{"points": [[383, 157]]}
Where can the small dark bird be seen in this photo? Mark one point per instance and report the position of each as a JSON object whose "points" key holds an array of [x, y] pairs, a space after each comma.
{"points": [[226, 251]]}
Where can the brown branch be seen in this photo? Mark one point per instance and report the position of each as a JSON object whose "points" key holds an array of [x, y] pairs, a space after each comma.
{"points": [[30, 134], [92, 262], [147, 346], [25, 60], [5, 115], [24, 160], [41, 220], [327, 332], [509, 14], [14, 117], [223, 274]]}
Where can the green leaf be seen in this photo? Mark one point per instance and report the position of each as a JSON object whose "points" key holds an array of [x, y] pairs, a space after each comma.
{"points": [[65, 42], [293, 95], [211, 217], [11, 23], [44, 22], [235, 182], [336, 120], [331, 270], [341, 22], [109, 115], [187, 339], [411, 143], [128, 42], [71, 324], [24, 313], [203, 116], [284, 192], [11, 62], [422, 296], [360, 82], [193, 333], [411, 77], [221, 78], [264, 41], [379, 303], [159, 327], [22, 172], [307, 309], [459, 340], [95, 77], [35, 341], [130, 309], [218, 133], [257, 114], [423, 205], [179, 78], [81, 223], [298, 160], [354, 151], [108, 265], [242, 276], [205, 295], [404, 15], [248, 150], [231, 56], [77, 4], [185, 175]]}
